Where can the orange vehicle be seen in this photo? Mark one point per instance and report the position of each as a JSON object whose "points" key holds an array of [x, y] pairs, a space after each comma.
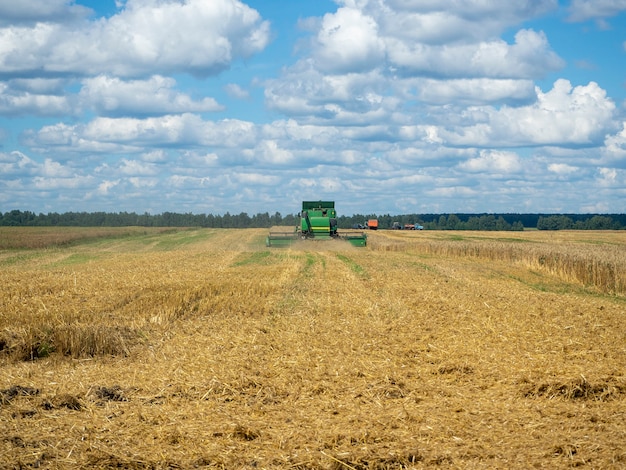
{"points": [[372, 224]]}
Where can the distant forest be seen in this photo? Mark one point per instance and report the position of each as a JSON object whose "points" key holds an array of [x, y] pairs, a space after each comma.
{"points": [[506, 222]]}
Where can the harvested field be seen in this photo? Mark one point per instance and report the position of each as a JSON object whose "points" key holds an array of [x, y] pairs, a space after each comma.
{"points": [[205, 349]]}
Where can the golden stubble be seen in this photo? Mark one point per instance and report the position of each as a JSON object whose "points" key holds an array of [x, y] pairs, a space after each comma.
{"points": [[206, 349]]}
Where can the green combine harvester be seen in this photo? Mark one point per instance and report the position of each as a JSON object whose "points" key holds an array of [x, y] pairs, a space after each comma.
{"points": [[318, 221]]}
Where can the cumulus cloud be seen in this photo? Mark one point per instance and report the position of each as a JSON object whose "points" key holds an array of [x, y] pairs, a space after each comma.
{"points": [[103, 188], [493, 161], [348, 42], [368, 64], [308, 94], [33, 11], [563, 169], [449, 21], [156, 95], [144, 38], [614, 150], [272, 152], [474, 91], [106, 95], [126, 133], [19, 103], [255, 179], [46, 183], [529, 57], [583, 10], [609, 177], [136, 168], [54, 169], [35, 96], [565, 115], [16, 164], [454, 39]]}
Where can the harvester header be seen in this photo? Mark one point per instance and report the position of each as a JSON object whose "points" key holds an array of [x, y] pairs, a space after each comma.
{"points": [[318, 221]]}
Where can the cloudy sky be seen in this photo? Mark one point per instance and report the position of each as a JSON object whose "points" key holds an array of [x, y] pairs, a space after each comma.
{"points": [[385, 106]]}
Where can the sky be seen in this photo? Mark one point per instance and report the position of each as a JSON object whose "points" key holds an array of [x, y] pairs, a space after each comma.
{"points": [[383, 106]]}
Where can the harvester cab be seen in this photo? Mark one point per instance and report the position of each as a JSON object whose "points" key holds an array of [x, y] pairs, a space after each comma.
{"points": [[318, 221]]}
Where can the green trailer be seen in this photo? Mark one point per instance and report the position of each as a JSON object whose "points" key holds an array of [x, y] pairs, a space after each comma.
{"points": [[318, 221]]}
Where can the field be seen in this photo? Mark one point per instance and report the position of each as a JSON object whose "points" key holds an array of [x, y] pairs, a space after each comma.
{"points": [[202, 348]]}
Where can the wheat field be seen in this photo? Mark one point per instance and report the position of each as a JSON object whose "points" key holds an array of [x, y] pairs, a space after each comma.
{"points": [[202, 348]]}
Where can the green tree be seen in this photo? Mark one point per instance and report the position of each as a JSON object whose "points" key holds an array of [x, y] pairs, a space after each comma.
{"points": [[454, 223], [554, 222], [599, 222]]}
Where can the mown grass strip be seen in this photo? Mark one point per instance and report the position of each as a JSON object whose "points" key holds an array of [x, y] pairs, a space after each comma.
{"points": [[353, 265], [256, 257], [73, 259]]}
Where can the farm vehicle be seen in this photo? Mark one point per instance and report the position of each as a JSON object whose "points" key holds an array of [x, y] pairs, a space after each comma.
{"points": [[318, 221], [398, 226], [371, 224]]}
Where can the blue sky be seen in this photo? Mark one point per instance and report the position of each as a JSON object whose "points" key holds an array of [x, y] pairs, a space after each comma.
{"points": [[385, 106]]}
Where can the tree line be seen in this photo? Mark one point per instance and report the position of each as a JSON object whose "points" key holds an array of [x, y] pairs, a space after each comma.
{"points": [[500, 222]]}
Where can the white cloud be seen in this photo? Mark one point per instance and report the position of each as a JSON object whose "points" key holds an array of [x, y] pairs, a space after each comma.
{"points": [[608, 176], [583, 10], [529, 57], [34, 97], [16, 164], [256, 179], [180, 129], [136, 135], [37, 86], [453, 192], [348, 42], [305, 91], [103, 94], [493, 161], [144, 38], [113, 96], [46, 183], [143, 182], [235, 91], [104, 188], [614, 150], [565, 115], [272, 153], [191, 161], [474, 91], [136, 168], [366, 66], [154, 156], [192, 182], [53, 169], [563, 169], [31, 11], [446, 21], [445, 40], [324, 184]]}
